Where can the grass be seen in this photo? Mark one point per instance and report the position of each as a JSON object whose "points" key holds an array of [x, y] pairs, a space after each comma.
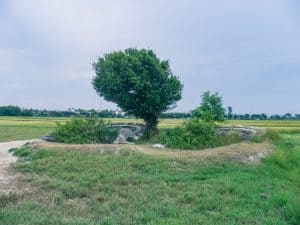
{"points": [[78, 188], [21, 128], [282, 126]]}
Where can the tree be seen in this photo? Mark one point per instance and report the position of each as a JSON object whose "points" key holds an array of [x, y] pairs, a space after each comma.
{"points": [[211, 107], [247, 116], [10, 110], [263, 116], [229, 112], [287, 116], [138, 82], [275, 117]]}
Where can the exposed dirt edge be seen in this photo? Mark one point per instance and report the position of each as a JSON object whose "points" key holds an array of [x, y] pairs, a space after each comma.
{"points": [[8, 178]]}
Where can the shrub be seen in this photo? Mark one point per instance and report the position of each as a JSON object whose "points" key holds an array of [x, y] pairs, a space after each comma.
{"points": [[270, 135], [221, 140], [84, 131], [194, 134], [273, 135], [23, 152], [130, 139]]}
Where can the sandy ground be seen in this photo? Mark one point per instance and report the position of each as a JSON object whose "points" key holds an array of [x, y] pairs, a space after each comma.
{"points": [[7, 178]]}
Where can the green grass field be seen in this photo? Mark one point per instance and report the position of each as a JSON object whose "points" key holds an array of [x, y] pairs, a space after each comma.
{"points": [[80, 188], [22, 128], [92, 188]]}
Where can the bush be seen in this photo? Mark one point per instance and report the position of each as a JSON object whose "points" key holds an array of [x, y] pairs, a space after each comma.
{"points": [[270, 135], [273, 136], [84, 131], [221, 140], [194, 134]]}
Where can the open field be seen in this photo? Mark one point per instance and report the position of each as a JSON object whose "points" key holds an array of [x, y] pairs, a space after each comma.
{"points": [[78, 187], [22, 128], [14, 128], [283, 126], [83, 185]]}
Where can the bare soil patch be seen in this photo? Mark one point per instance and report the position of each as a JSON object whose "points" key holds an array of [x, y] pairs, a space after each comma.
{"points": [[8, 179]]}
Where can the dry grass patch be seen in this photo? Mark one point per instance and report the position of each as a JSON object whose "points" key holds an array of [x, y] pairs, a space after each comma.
{"points": [[241, 152]]}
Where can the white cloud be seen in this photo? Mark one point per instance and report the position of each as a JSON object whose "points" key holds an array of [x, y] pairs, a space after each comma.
{"points": [[81, 24], [219, 44], [10, 60]]}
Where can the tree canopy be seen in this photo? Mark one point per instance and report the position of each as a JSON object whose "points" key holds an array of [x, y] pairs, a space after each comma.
{"points": [[211, 107], [138, 82]]}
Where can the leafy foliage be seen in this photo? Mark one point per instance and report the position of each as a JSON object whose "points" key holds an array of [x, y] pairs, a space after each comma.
{"points": [[83, 131], [200, 131], [10, 110], [211, 108], [139, 82], [194, 134], [229, 112], [269, 135]]}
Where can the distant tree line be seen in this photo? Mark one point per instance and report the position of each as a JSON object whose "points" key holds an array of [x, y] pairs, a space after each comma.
{"points": [[18, 111], [263, 116]]}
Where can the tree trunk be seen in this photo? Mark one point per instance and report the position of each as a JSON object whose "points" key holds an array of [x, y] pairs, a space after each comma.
{"points": [[151, 125]]}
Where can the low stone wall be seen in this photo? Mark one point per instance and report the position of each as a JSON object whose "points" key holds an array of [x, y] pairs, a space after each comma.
{"points": [[245, 132], [128, 132]]}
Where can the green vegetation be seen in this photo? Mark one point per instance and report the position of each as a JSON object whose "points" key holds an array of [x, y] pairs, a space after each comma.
{"points": [[138, 82], [85, 131], [194, 134], [211, 108], [282, 126], [200, 131], [18, 128], [11, 133], [73, 187], [22, 128], [29, 112]]}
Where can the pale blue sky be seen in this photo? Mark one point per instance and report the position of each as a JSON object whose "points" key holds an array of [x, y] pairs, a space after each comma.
{"points": [[248, 50]]}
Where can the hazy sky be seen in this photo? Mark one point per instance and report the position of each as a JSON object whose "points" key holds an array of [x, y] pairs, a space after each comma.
{"points": [[248, 50]]}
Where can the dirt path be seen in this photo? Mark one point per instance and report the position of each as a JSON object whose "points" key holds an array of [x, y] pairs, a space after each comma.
{"points": [[6, 176]]}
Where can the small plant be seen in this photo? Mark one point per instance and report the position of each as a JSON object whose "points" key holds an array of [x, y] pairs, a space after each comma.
{"points": [[130, 139], [23, 152], [84, 131]]}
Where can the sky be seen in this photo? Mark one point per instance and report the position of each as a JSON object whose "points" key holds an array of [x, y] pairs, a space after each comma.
{"points": [[247, 50]]}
